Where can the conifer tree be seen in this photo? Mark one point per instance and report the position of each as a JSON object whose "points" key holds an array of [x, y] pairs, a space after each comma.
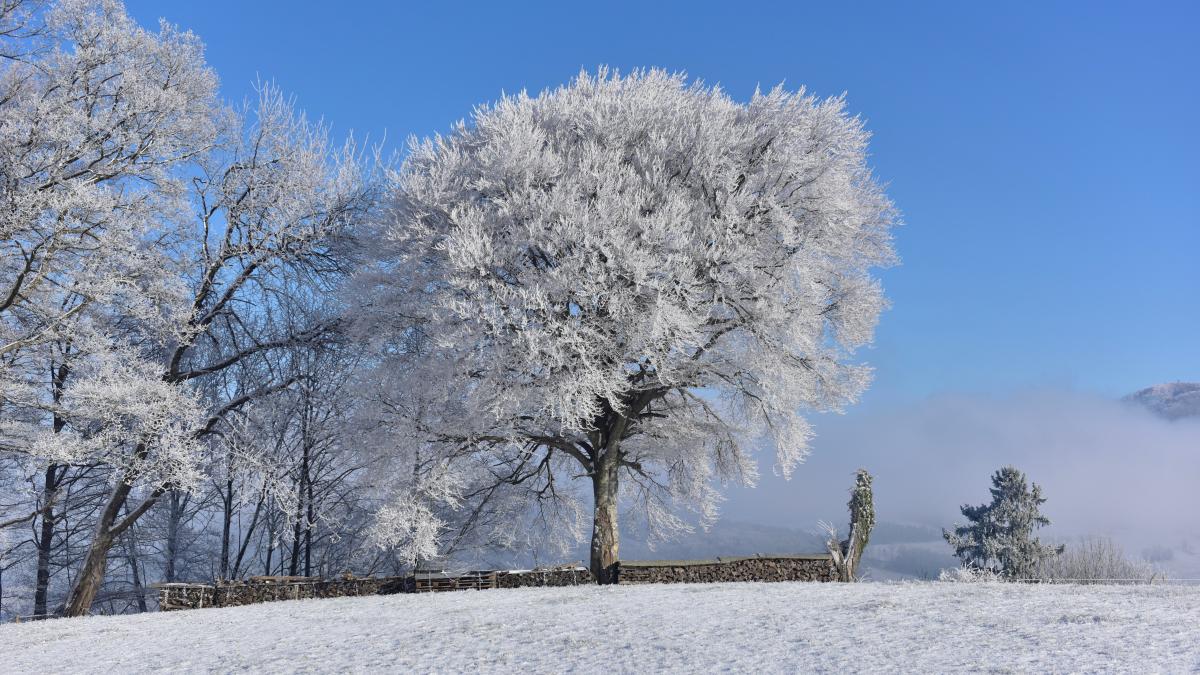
{"points": [[999, 536]]}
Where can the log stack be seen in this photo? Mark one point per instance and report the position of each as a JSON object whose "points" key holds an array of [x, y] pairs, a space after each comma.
{"points": [[172, 596], [817, 567], [268, 589], [565, 575]]}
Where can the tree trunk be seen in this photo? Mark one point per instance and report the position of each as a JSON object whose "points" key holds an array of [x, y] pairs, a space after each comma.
{"points": [[174, 522], [131, 556], [241, 554], [294, 561], [308, 523], [45, 542], [270, 537], [270, 553], [604, 524], [91, 576], [226, 522]]}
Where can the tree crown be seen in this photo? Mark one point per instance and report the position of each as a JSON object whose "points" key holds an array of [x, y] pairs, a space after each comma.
{"points": [[637, 261]]}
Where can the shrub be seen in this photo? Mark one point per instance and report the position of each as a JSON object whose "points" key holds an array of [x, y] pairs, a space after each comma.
{"points": [[970, 575], [1095, 560]]}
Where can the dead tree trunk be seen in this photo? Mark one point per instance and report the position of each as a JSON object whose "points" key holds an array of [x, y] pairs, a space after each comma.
{"points": [[847, 554]]}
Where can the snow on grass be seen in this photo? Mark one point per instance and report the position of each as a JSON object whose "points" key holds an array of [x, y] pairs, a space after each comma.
{"points": [[779, 627]]}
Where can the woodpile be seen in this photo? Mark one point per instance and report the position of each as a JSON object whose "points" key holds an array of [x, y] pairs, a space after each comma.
{"points": [[754, 568], [432, 582], [565, 575], [185, 596], [269, 589]]}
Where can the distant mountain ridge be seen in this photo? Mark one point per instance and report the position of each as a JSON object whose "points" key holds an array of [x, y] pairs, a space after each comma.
{"points": [[1174, 400]]}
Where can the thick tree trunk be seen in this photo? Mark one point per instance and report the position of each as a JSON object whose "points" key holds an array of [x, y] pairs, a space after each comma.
{"points": [[605, 537], [91, 576]]}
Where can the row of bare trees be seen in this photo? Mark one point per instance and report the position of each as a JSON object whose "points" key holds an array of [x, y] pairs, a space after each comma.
{"points": [[169, 373]]}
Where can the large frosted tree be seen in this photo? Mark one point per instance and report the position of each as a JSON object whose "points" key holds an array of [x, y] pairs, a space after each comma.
{"points": [[630, 280]]}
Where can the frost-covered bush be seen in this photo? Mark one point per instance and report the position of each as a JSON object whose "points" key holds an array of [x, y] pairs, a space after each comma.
{"points": [[970, 575], [1096, 560]]}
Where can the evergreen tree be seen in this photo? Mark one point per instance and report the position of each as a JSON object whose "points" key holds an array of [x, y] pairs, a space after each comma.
{"points": [[999, 536]]}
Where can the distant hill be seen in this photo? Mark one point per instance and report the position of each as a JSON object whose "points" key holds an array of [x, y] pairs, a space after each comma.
{"points": [[1175, 400]]}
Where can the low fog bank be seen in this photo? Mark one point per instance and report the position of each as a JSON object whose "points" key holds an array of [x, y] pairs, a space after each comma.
{"points": [[1106, 467]]}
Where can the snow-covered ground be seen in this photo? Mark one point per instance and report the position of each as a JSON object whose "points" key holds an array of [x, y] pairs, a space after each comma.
{"points": [[785, 627]]}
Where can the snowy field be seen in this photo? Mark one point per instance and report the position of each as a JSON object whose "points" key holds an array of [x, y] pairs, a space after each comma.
{"points": [[784, 627]]}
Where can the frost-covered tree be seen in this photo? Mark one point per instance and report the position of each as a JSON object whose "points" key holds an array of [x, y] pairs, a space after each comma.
{"points": [[847, 553], [151, 239], [97, 117], [265, 211], [630, 280], [999, 536]]}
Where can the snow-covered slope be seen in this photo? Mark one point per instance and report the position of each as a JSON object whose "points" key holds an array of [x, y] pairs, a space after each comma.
{"points": [[1173, 401], [789, 627]]}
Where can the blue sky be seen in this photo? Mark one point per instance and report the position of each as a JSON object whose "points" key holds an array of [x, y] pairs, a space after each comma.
{"points": [[1044, 154]]}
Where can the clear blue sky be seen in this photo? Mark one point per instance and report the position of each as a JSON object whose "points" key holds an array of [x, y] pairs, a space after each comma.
{"points": [[1044, 154]]}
